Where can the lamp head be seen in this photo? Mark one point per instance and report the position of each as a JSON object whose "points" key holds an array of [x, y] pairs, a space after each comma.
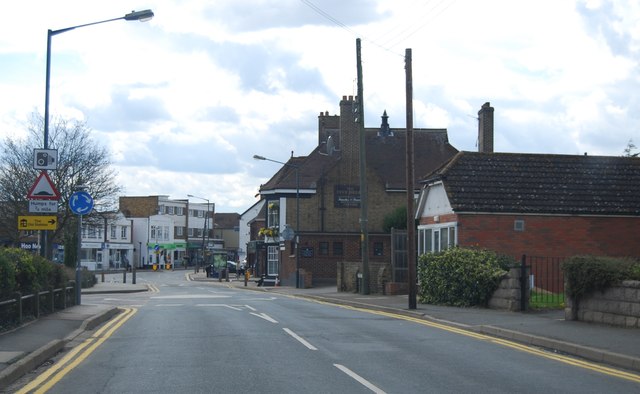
{"points": [[258, 157], [141, 16]]}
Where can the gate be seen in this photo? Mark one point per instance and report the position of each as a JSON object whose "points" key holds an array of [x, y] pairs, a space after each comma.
{"points": [[399, 265], [545, 281]]}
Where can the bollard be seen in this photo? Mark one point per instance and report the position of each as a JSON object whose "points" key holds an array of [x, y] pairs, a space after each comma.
{"points": [[124, 276], [102, 275]]}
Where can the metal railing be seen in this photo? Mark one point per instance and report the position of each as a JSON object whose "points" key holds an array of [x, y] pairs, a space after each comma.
{"points": [[16, 310], [545, 281]]}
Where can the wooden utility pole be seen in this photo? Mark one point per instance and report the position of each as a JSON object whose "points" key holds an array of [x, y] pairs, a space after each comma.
{"points": [[411, 231], [364, 231]]}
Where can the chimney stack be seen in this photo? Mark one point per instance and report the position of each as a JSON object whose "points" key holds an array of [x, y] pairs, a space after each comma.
{"points": [[485, 128]]}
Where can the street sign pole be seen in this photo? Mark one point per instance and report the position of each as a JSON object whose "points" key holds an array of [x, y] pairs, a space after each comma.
{"points": [[80, 203], [78, 265]]}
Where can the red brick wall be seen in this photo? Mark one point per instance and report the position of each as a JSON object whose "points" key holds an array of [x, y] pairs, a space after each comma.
{"points": [[558, 236], [323, 267]]}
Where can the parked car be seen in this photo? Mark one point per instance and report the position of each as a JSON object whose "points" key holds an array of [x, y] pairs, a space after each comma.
{"points": [[235, 268]]}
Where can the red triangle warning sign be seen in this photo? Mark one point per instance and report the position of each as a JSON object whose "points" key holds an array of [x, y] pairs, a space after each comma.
{"points": [[43, 189]]}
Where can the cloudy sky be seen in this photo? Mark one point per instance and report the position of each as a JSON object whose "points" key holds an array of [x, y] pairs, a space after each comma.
{"points": [[185, 100]]}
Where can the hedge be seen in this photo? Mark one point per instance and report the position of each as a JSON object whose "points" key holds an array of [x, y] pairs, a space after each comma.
{"points": [[587, 274], [24, 272], [460, 277]]}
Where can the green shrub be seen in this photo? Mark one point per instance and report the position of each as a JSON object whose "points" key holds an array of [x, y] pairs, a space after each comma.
{"points": [[24, 272], [634, 271], [7, 277], [88, 279], [587, 274], [460, 277], [396, 219]]}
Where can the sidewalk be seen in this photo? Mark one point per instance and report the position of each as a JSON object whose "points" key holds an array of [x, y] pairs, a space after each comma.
{"points": [[28, 346], [25, 348]]}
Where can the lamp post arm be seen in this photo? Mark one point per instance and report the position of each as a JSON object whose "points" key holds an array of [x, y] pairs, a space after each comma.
{"points": [[142, 16], [66, 29]]}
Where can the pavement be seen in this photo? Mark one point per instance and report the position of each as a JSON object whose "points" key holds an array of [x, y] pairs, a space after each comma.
{"points": [[25, 348]]}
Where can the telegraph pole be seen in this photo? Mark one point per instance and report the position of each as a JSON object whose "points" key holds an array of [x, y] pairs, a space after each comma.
{"points": [[411, 231], [364, 231]]}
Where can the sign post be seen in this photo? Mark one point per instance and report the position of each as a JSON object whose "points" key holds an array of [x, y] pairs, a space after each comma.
{"points": [[81, 203]]}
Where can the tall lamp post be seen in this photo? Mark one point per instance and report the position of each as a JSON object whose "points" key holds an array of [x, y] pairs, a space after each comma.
{"points": [[296, 168], [141, 16], [204, 229]]}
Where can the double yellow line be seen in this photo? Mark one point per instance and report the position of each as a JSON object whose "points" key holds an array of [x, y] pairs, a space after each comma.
{"points": [[78, 354], [634, 377]]}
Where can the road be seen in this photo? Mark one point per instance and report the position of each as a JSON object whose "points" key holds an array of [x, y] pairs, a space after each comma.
{"points": [[200, 337]]}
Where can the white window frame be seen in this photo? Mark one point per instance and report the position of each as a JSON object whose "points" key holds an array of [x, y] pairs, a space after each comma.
{"points": [[430, 237], [273, 263]]}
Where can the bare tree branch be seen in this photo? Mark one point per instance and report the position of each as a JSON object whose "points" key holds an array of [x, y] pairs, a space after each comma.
{"points": [[81, 161]]}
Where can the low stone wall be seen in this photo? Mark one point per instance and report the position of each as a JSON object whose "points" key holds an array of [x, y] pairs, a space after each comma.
{"points": [[347, 276], [508, 294], [617, 306]]}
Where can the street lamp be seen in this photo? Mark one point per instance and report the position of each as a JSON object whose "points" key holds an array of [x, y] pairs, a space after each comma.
{"points": [[141, 16], [296, 168], [204, 229]]}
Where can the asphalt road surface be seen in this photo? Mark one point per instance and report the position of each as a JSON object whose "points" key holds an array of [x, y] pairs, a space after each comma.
{"points": [[198, 337]]}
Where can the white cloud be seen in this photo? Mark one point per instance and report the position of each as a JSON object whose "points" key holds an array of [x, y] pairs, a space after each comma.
{"points": [[185, 100]]}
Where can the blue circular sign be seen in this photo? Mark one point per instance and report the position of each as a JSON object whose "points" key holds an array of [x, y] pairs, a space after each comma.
{"points": [[81, 203]]}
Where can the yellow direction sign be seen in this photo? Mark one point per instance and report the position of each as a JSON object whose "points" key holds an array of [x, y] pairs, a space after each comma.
{"points": [[37, 222]]}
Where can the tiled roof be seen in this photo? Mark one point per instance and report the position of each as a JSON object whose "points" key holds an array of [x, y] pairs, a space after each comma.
{"points": [[310, 170], [386, 156], [541, 183]]}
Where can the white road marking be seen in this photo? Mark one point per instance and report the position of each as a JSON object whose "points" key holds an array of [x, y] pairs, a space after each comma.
{"points": [[169, 305], [300, 339], [190, 296], [359, 378], [224, 305], [250, 308], [265, 317]]}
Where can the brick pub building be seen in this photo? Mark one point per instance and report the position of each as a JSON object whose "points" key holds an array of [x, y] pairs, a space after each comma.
{"points": [[329, 195]]}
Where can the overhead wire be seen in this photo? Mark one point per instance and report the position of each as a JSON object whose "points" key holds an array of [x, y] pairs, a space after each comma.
{"points": [[396, 39]]}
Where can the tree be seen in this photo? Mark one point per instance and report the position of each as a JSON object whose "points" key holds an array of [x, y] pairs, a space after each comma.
{"points": [[81, 161], [396, 219], [629, 149]]}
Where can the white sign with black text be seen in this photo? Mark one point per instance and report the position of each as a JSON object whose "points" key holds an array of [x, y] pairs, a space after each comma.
{"points": [[43, 206]]}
